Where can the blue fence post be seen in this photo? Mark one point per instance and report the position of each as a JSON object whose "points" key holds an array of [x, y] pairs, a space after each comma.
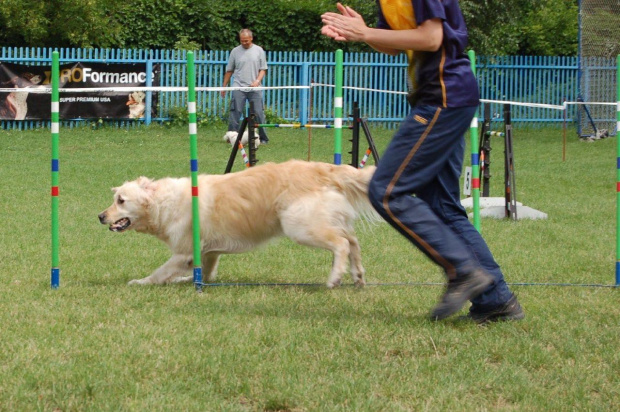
{"points": [[303, 103], [149, 94]]}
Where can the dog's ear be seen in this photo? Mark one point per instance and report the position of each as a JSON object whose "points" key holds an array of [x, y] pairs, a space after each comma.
{"points": [[144, 182], [115, 189]]}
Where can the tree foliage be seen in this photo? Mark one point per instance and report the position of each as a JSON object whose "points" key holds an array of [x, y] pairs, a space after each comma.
{"points": [[492, 25], [536, 27], [550, 28], [59, 23]]}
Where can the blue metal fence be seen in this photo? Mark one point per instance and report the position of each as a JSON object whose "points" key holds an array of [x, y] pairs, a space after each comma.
{"points": [[517, 78], [530, 79]]}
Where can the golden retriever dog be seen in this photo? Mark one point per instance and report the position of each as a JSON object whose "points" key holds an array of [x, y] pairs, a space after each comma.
{"points": [[314, 204]]}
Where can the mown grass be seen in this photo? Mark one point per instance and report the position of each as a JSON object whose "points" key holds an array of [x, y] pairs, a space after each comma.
{"points": [[97, 344]]}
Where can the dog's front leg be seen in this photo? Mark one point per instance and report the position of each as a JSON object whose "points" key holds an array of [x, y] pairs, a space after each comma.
{"points": [[210, 261], [209, 269], [178, 266]]}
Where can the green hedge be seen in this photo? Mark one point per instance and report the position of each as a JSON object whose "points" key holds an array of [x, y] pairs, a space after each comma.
{"points": [[212, 24], [496, 27]]}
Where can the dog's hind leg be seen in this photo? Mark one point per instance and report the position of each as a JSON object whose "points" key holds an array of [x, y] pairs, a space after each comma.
{"points": [[178, 266], [332, 241], [355, 257], [319, 230]]}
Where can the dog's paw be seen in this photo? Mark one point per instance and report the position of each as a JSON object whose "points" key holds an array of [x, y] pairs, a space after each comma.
{"points": [[137, 282], [333, 283], [360, 283], [183, 279]]}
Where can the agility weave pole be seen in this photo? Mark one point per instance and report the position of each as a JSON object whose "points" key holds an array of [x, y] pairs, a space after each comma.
{"points": [[193, 148], [55, 276], [475, 156], [338, 108]]}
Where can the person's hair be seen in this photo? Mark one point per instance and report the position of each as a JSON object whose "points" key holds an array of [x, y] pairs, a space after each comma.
{"points": [[246, 32]]}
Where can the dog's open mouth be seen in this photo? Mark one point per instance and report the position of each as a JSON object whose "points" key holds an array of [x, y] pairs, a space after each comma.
{"points": [[120, 225]]}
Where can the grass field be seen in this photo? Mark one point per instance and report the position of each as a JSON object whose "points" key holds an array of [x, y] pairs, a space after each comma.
{"points": [[97, 344]]}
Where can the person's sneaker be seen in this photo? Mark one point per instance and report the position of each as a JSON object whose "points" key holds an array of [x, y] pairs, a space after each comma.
{"points": [[459, 291], [264, 142], [510, 310]]}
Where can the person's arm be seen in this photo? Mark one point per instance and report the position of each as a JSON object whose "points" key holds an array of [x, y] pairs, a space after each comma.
{"points": [[350, 26], [427, 37], [227, 77]]}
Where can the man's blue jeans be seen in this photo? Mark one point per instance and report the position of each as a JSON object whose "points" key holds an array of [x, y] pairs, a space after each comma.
{"points": [[237, 109]]}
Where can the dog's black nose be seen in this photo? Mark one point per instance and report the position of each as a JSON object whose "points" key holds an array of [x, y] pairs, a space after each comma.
{"points": [[102, 218]]}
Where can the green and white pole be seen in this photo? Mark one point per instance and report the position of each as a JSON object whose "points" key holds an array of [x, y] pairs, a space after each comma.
{"points": [[618, 171], [55, 275], [338, 109], [475, 156], [193, 148]]}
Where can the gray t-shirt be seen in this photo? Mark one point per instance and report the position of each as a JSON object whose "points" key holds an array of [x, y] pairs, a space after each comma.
{"points": [[245, 64]]}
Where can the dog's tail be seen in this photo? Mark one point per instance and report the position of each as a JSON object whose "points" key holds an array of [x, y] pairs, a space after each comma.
{"points": [[354, 185]]}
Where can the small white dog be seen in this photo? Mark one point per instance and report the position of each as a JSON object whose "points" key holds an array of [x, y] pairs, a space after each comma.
{"points": [[314, 204], [136, 105], [231, 137]]}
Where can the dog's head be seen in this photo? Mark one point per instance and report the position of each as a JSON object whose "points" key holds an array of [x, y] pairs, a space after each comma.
{"points": [[131, 206], [231, 137], [136, 98], [32, 79]]}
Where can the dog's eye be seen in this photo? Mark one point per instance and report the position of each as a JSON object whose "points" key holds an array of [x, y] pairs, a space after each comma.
{"points": [[120, 200]]}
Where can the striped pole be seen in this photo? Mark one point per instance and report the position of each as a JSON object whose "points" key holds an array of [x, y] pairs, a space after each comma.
{"points": [[618, 172], [297, 125], [475, 158], [193, 148], [365, 158], [244, 155], [338, 109], [55, 276]]}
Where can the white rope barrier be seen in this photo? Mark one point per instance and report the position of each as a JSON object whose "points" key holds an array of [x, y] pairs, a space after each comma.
{"points": [[545, 106], [359, 88], [590, 103], [48, 90]]}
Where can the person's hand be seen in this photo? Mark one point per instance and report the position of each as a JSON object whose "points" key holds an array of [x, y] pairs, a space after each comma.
{"points": [[349, 25], [255, 83], [223, 93]]}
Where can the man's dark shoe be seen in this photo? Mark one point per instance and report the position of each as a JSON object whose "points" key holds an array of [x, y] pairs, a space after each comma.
{"points": [[510, 310], [459, 291]]}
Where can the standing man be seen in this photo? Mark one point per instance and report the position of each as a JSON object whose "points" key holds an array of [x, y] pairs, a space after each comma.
{"points": [[247, 64], [416, 184]]}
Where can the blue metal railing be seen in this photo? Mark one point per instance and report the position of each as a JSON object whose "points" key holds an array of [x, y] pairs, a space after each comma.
{"points": [[517, 78]]}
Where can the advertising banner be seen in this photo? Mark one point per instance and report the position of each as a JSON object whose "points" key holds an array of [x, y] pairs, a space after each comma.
{"points": [[25, 105]]}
